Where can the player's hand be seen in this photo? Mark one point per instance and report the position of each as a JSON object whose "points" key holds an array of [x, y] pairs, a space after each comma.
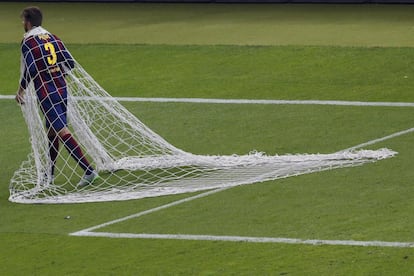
{"points": [[19, 98]]}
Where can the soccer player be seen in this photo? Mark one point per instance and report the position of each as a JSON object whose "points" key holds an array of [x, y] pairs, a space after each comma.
{"points": [[45, 62]]}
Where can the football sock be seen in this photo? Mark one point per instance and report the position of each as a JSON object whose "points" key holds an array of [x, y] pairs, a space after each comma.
{"points": [[53, 151], [76, 152]]}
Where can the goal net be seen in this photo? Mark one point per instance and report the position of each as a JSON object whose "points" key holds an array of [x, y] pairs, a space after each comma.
{"points": [[134, 162]]}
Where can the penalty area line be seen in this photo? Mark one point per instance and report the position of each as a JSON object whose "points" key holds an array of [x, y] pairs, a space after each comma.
{"points": [[268, 102], [375, 141], [149, 211], [246, 239], [88, 232], [242, 101]]}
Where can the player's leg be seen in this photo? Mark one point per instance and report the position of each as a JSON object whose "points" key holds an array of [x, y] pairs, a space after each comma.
{"points": [[57, 118], [75, 150], [53, 139]]}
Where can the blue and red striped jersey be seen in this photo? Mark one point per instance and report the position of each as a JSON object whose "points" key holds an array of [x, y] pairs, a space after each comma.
{"points": [[45, 59]]}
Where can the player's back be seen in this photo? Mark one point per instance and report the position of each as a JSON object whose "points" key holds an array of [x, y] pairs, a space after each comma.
{"points": [[46, 57]]}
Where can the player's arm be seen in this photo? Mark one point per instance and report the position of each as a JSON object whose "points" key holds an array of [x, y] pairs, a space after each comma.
{"points": [[23, 78], [23, 84], [20, 96], [28, 72]]}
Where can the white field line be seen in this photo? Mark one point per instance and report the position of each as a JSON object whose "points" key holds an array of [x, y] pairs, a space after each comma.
{"points": [[271, 102], [88, 232], [146, 212], [244, 101], [244, 239], [372, 142]]}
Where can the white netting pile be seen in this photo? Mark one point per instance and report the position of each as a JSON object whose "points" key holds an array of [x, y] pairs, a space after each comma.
{"points": [[134, 162]]}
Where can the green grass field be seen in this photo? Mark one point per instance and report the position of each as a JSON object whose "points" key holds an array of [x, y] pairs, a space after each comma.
{"points": [[290, 52]]}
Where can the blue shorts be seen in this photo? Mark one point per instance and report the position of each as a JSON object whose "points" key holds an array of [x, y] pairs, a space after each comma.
{"points": [[54, 107]]}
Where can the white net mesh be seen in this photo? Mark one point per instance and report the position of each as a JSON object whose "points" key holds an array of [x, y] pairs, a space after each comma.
{"points": [[132, 161]]}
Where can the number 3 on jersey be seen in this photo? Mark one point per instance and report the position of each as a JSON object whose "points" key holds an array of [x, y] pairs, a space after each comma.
{"points": [[52, 59]]}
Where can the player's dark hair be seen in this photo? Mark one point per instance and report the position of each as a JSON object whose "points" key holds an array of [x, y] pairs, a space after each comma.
{"points": [[33, 15]]}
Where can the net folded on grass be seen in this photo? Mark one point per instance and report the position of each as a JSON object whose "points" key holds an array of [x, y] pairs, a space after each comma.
{"points": [[134, 162]]}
